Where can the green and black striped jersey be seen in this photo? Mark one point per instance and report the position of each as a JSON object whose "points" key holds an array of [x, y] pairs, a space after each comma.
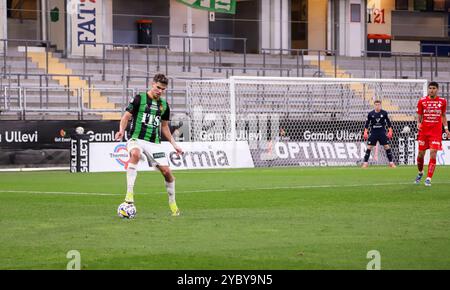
{"points": [[147, 116]]}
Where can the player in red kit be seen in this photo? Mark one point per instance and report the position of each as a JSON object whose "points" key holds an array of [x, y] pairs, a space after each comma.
{"points": [[431, 111]]}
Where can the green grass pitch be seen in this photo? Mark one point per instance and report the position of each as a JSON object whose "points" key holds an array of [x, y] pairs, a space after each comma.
{"points": [[272, 218]]}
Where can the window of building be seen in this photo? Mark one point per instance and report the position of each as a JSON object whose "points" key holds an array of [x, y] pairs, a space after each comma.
{"points": [[439, 5], [425, 5], [401, 4], [355, 12], [420, 5], [22, 9], [299, 23]]}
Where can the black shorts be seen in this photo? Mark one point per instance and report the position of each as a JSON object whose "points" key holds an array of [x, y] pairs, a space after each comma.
{"points": [[378, 137]]}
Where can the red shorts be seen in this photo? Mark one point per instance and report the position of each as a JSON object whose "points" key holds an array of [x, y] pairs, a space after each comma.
{"points": [[430, 140]]}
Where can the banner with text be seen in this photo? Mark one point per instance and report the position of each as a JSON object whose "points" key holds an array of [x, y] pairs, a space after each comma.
{"points": [[114, 156], [220, 6], [329, 143], [52, 134], [87, 26], [443, 156]]}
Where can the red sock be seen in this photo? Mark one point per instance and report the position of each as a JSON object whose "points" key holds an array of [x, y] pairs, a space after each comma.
{"points": [[420, 164], [431, 167]]}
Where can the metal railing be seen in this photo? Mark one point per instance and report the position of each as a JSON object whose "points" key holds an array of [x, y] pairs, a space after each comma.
{"points": [[244, 69], [436, 51], [22, 101], [26, 43], [398, 62], [44, 87], [444, 91], [300, 61], [127, 60], [126, 94], [147, 78], [18, 77], [216, 39]]}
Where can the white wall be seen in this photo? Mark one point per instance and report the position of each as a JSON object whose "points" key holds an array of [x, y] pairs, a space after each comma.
{"points": [[343, 20], [355, 31], [271, 24], [108, 21], [3, 24], [264, 31], [56, 30], [351, 34], [188, 21], [405, 46]]}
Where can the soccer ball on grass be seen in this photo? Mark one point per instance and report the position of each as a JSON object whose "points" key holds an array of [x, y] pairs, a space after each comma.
{"points": [[126, 210]]}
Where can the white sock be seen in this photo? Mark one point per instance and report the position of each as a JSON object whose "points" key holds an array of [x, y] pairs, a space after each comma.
{"points": [[131, 176], [170, 187]]}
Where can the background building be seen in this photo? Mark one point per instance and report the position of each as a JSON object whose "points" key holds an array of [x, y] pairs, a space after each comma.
{"points": [[344, 25]]}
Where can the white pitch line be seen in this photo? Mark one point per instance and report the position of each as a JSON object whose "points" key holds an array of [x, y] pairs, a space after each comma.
{"points": [[303, 187], [220, 190], [55, 192]]}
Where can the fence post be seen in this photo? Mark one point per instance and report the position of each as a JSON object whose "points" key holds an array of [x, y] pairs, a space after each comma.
{"points": [[46, 91], [189, 56], [264, 61], [395, 63], [146, 58], [220, 54], [215, 48], [303, 63], [245, 55], [184, 54], [281, 60], [364, 63], [84, 61], [431, 66], [421, 65], [81, 95], [68, 91], [23, 103], [4, 56], [415, 66], [123, 62], [318, 55], [89, 92], [436, 61], [335, 64], [46, 56], [167, 59], [104, 60], [26, 59], [157, 49], [379, 65], [128, 58], [40, 91]]}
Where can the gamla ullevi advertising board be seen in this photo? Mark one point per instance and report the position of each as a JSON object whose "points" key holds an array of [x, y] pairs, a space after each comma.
{"points": [[114, 156], [443, 156]]}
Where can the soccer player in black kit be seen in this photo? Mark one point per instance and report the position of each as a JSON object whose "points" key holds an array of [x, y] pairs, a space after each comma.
{"points": [[378, 120]]}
